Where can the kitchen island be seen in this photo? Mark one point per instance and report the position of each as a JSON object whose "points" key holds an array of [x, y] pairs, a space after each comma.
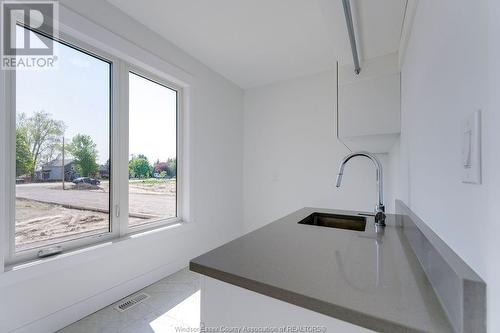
{"points": [[316, 278]]}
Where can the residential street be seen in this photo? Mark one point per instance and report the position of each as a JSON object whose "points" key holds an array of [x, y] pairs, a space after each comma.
{"points": [[155, 204], [44, 212]]}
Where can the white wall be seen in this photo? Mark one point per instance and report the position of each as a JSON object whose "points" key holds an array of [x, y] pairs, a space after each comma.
{"points": [[291, 153], [451, 68], [47, 296]]}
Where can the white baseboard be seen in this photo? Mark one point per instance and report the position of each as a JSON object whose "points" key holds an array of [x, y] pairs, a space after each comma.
{"points": [[77, 311]]}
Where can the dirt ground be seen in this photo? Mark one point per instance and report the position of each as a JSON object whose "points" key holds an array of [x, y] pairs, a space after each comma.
{"points": [[37, 222], [45, 213]]}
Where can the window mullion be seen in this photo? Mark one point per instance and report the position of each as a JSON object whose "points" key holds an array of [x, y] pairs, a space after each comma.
{"points": [[122, 156], [8, 195], [115, 149], [10, 164]]}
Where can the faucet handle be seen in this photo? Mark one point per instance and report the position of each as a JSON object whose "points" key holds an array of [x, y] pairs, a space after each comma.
{"points": [[379, 208], [380, 219]]}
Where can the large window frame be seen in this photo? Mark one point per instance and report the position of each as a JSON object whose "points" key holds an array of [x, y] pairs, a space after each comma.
{"points": [[129, 68], [119, 155]]}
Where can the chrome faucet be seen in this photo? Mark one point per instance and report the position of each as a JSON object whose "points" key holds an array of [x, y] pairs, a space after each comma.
{"points": [[379, 208]]}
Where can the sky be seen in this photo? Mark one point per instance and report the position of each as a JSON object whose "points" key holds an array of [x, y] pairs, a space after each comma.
{"points": [[152, 119], [77, 91]]}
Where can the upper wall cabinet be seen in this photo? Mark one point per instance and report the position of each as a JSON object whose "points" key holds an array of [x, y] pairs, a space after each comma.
{"points": [[369, 107]]}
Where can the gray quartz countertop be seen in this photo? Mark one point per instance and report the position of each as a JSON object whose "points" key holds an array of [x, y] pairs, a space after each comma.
{"points": [[366, 278]]}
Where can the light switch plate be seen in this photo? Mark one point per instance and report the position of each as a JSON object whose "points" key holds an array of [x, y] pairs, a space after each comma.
{"points": [[471, 149]]}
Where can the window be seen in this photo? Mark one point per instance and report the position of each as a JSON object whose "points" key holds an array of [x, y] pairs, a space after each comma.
{"points": [[152, 151], [62, 151], [71, 144]]}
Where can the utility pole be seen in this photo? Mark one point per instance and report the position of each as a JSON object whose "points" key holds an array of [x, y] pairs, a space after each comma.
{"points": [[63, 170]]}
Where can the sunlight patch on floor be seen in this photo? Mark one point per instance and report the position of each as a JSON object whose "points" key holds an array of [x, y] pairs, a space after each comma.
{"points": [[187, 313]]}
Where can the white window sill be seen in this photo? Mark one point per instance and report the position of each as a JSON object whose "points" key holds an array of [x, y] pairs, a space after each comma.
{"points": [[24, 271]]}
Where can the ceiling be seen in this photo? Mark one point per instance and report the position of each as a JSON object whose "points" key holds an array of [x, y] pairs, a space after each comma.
{"points": [[256, 42]]}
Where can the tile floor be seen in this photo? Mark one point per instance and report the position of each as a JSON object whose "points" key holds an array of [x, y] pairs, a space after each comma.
{"points": [[174, 304]]}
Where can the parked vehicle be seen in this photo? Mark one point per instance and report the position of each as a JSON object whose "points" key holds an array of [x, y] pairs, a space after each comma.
{"points": [[86, 180], [21, 180]]}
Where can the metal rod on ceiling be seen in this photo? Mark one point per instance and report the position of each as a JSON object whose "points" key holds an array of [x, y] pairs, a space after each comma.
{"points": [[352, 37]]}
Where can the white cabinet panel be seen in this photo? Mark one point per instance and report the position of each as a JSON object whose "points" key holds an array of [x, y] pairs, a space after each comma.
{"points": [[369, 107], [224, 305]]}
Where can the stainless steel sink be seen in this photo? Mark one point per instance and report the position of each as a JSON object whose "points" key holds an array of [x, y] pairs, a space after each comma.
{"points": [[350, 222]]}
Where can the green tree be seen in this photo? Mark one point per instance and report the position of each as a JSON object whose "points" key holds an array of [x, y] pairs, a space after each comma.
{"points": [[83, 149], [172, 167], [24, 161], [139, 167], [43, 136]]}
